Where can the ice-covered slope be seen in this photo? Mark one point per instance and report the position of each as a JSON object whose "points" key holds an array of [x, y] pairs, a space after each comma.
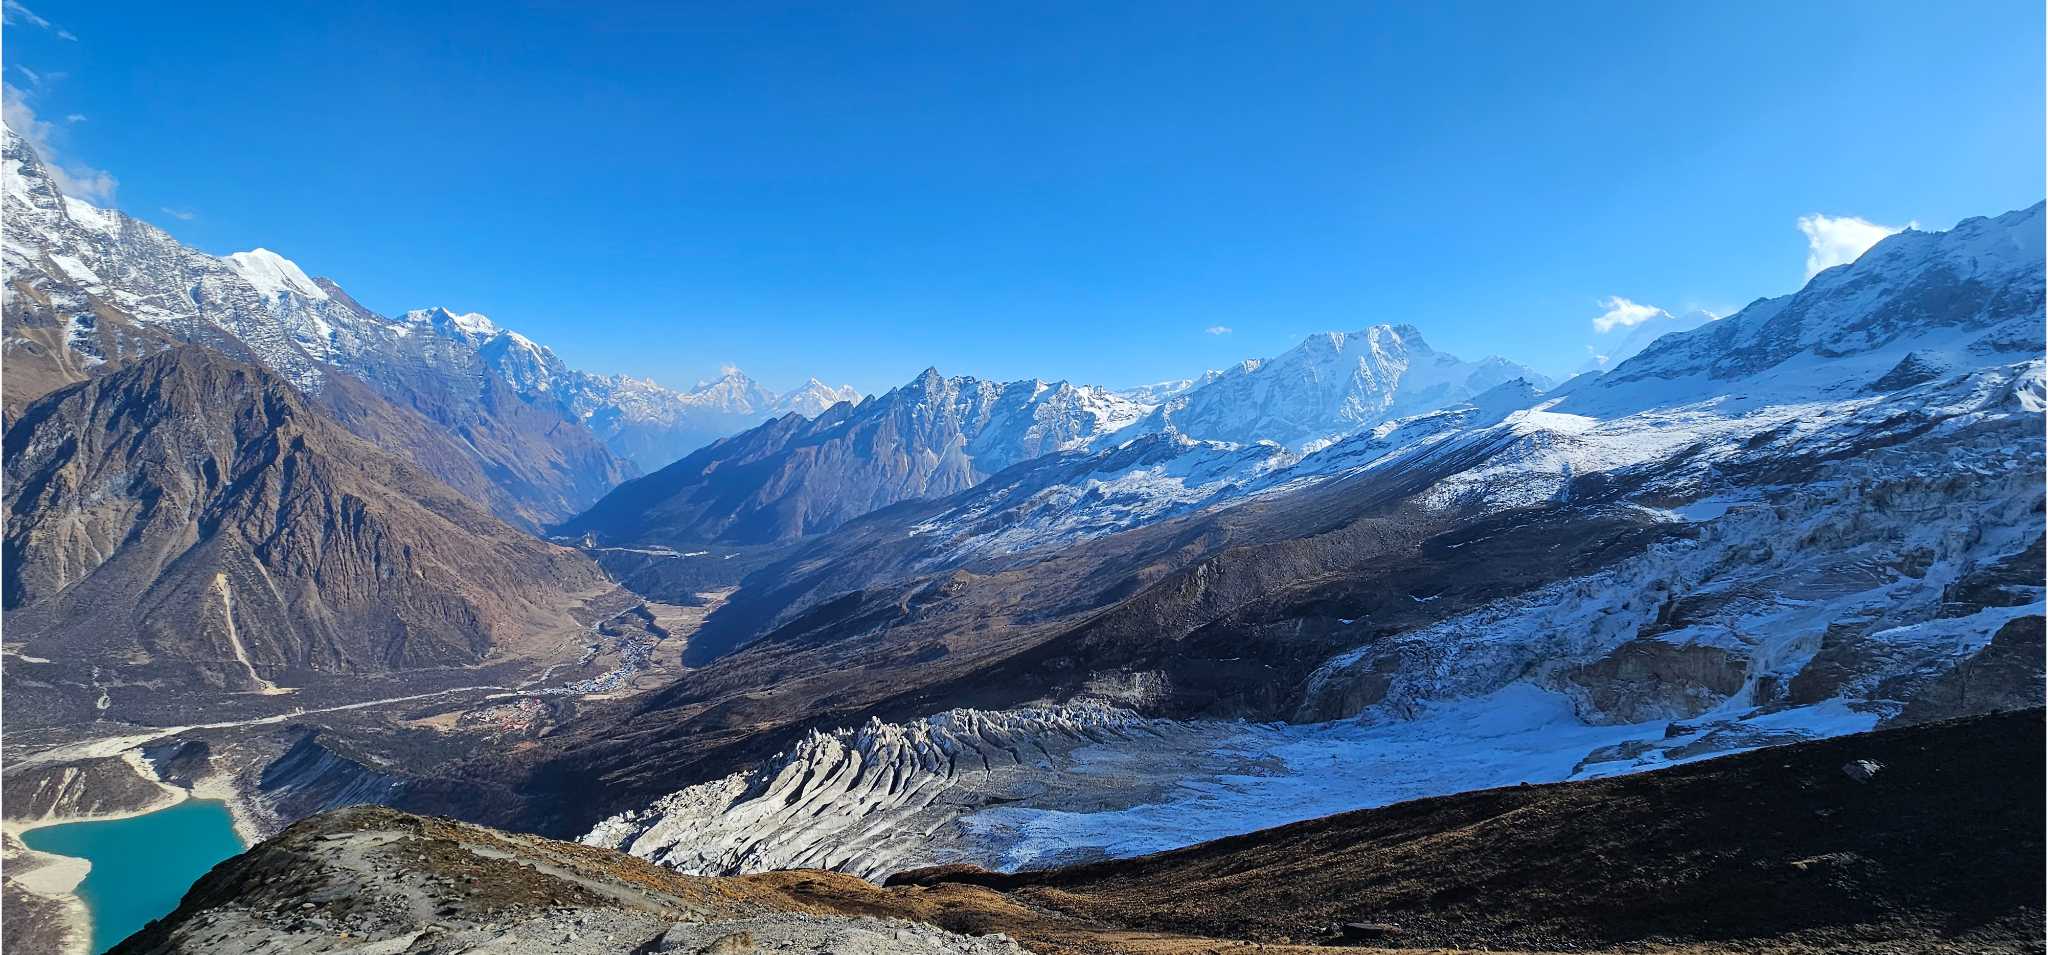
{"points": [[639, 419], [82, 263], [1074, 496], [274, 275]]}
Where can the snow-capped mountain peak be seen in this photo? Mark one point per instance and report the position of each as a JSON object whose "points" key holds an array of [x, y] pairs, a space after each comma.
{"points": [[1330, 385], [813, 397], [274, 275]]}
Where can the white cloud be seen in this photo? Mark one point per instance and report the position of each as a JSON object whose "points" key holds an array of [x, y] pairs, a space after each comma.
{"points": [[13, 13], [74, 117], [1622, 313], [76, 179], [1838, 240], [1217, 330], [186, 215]]}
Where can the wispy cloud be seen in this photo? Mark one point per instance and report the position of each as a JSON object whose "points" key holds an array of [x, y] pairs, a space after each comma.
{"points": [[76, 179], [74, 117], [1839, 240], [186, 215], [13, 13], [1217, 330], [1622, 313]]}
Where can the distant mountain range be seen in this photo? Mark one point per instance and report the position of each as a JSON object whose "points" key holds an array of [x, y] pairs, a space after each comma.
{"points": [[647, 423], [938, 435], [90, 289]]}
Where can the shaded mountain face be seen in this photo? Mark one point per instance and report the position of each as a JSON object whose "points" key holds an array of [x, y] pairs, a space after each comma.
{"points": [[196, 519], [794, 476]]}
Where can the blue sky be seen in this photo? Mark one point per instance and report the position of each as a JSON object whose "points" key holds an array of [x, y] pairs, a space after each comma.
{"points": [[1066, 190]]}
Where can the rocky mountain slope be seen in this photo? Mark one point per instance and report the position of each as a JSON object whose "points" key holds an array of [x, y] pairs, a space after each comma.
{"points": [[193, 521], [1918, 839]]}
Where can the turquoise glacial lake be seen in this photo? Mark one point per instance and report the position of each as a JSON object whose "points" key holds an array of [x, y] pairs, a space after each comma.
{"points": [[141, 866]]}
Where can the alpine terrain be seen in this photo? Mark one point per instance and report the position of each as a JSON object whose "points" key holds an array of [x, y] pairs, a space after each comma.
{"points": [[1733, 641]]}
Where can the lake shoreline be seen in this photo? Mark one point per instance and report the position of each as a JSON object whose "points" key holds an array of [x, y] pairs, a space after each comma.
{"points": [[55, 878]]}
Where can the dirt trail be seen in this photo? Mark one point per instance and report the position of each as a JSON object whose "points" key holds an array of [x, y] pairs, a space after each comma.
{"points": [[227, 606]]}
